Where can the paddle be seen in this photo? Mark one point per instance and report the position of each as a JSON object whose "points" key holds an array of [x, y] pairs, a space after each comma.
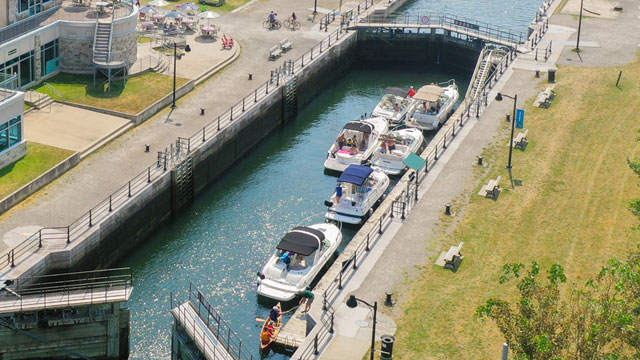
{"points": [[260, 320]]}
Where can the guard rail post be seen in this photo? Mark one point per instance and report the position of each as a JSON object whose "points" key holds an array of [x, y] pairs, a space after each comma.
{"points": [[367, 247], [380, 224], [40, 238], [68, 235], [315, 345], [339, 278], [90, 218], [331, 328], [355, 260]]}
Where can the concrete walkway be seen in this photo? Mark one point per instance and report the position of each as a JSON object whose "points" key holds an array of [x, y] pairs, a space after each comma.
{"points": [[96, 177], [413, 248]]}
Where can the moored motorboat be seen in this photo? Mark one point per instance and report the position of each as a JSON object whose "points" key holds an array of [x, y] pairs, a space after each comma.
{"points": [[432, 106], [300, 255], [394, 148], [356, 143], [359, 188], [394, 105]]}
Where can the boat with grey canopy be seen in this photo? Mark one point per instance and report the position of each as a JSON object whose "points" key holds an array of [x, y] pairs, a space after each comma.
{"points": [[298, 258], [394, 105]]}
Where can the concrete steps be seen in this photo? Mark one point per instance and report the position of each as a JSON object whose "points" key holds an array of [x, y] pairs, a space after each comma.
{"points": [[37, 100]]}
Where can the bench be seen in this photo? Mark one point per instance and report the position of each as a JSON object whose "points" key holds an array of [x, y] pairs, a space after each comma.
{"points": [[520, 141], [492, 189], [274, 52], [545, 98], [227, 42], [285, 45], [452, 258]]}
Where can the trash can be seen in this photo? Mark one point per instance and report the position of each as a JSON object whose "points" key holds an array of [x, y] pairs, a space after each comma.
{"points": [[552, 75], [387, 346]]}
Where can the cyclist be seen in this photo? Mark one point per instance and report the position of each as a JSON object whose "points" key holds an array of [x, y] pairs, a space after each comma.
{"points": [[294, 18], [273, 17]]}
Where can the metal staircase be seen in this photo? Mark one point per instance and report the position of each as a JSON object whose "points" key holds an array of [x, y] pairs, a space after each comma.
{"points": [[101, 43]]}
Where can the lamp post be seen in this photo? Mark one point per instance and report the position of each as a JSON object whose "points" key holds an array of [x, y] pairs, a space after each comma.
{"points": [[176, 57], [315, 7], [513, 121], [579, 27], [352, 302]]}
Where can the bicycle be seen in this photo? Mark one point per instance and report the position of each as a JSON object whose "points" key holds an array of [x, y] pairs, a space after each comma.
{"points": [[292, 24], [268, 25]]}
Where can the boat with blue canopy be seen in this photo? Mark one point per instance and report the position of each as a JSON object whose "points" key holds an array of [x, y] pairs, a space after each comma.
{"points": [[358, 191]]}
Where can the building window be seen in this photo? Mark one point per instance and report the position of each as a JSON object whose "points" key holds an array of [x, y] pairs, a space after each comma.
{"points": [[23, 5], [11, 133], [49, 57], [24, 66]]}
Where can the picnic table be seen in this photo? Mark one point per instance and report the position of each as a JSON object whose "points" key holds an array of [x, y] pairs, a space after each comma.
{"points": [[187, 23], [209, 30], [147, 25], [158, 17]]}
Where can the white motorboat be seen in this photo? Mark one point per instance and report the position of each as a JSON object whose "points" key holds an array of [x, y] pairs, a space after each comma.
{"points": [[359, 188], [356, 143], [394, 105], [394, 148], [432, 106], [308, 249]]}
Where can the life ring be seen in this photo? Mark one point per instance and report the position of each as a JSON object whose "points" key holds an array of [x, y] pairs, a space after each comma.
{"points": [[425, 20]]}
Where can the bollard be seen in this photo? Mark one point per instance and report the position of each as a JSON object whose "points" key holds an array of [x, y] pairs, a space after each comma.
{"points": [[147, 147], [508, 117], [250, 76], [201, 111], [552, 75], [447, 209], [480, 161], [537, 73], [388, 301], [505, 351]]}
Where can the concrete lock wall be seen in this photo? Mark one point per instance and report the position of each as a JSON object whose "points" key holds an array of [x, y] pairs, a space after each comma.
{"points": [[421, 48]]}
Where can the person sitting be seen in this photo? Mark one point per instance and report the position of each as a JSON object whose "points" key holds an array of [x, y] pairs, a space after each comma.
{"points": [[412, 91], [349, 142], [353, 150], [274, 314], [433, 109], [354, 141], [383, 147], [397, 108], [341, 141], [271, 331], [391, 145], [424, 106], [286, 259]]}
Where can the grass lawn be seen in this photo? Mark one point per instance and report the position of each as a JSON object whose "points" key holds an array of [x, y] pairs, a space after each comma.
{"points": [[227, 7], [38, 160], [140, 92], [571, 209], [144, 39]]}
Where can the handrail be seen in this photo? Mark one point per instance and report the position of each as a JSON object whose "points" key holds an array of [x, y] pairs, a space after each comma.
{"points": [[54, 90]]}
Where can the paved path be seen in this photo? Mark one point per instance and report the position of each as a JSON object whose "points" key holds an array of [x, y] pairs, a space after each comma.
{"points": [[96, 177], [413, 245]]}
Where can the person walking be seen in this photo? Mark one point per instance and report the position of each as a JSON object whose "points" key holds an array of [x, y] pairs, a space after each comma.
{"points": [[306, 298]]}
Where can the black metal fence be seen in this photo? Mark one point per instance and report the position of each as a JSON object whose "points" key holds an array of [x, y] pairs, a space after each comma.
{"points": [[214, 322]]}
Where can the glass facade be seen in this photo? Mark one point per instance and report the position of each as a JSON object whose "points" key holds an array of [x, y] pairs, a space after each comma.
{"points": [[24, 66], [10, 133], [49, 58], [32, 6]]}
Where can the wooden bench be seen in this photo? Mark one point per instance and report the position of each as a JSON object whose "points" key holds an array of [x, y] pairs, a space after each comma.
{"points": [[492, 189], [545, 97], [274, 52], [520, 141], [285, 45], [451, 258]]}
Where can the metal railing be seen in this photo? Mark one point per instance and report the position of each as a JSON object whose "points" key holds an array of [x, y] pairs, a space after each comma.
{"points": [[8, 86], [462, 25], [401, 204], [97, 284], [229, 339]]}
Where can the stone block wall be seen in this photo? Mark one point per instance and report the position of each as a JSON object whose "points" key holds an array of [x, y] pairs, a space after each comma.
{"points": [[76, 55], [125, 46], [13, 154]]}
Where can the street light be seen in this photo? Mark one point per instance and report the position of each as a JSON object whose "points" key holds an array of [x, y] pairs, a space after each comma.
{"points": [[579, 26], [513, 121], [352, 302], [176, 57], [315, 7]]}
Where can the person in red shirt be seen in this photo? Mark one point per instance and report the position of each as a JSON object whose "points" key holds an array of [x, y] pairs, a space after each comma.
{"points": [[412, 91]]}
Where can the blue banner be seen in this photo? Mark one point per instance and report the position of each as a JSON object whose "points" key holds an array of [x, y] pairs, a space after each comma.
{"points": [[520, 119]]}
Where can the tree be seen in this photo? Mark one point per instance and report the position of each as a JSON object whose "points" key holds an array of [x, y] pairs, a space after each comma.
{"points": [[599, 321], [537, 327]]}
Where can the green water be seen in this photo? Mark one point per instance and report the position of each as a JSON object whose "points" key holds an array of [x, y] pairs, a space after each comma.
{"points": [[232, 228]]}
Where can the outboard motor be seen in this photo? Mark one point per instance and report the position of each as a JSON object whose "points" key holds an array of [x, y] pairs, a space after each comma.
{"points": [[328, 203]]}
